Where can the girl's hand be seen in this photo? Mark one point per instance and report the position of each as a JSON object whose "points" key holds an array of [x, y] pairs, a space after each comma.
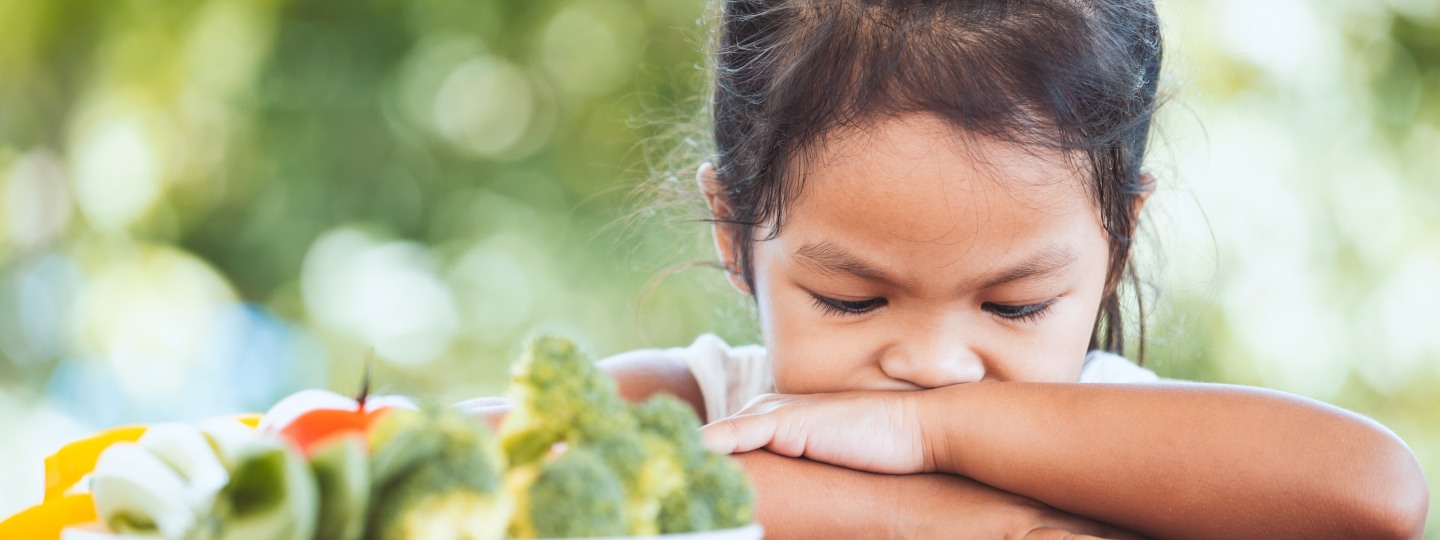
{"points": [[869, 431], [490, 409]]}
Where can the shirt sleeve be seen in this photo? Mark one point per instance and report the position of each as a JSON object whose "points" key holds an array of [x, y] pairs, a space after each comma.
{"points": [[1108, 367], [729, 377]]}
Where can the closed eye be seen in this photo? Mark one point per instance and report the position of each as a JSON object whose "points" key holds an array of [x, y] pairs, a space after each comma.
{"points": [[832, 306], [1027, 312]]}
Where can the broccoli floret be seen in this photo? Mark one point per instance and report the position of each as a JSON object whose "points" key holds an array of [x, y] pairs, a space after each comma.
{"points": [[439, 502], [648, 469], [681, 513], [667, 482], [399, 442], [668, 418], [573, 496], [718, 483], [557, 395], [715, 493], [436, 475], [671, 428]]}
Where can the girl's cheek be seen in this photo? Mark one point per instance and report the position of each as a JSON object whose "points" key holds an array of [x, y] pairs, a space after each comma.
{"points": [[1051, 349], [809, 352], [817, 366]]}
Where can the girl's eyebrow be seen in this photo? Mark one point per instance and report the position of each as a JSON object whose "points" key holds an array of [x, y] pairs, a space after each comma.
{"points": [[1051, 260], [828, 258]]}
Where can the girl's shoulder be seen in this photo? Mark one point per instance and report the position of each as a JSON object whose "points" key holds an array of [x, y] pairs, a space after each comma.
{"points": [[1108, 367], [728, 376]]}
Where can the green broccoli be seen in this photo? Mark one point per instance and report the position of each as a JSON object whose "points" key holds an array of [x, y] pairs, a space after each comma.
{"points": [[666, 482], [668, 418], [715, 493], [649, 470], [718, 484], [672, 423], [558, 395], [682, 513], [573, 496], [435, 475]]}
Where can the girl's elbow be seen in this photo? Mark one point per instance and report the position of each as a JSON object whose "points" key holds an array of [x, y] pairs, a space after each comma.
{"points": [[1397, 497], [1401, 517], [1406, 513]]}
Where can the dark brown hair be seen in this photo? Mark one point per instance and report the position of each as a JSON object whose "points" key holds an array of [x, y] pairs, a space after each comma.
{"points": [[1079, 76]]}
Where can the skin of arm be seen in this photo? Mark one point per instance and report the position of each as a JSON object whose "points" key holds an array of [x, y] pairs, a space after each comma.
{"points": [[799, 498], [1172, 459], [803, 499], [1169, 460]]}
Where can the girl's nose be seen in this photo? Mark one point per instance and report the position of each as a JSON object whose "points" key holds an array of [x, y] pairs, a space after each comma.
{"points": [[941, 358]]}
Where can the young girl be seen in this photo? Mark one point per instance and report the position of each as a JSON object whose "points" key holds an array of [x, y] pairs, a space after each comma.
{"points": [[931, 203]]}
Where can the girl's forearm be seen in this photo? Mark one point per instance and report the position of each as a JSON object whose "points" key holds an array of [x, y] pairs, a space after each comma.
{"points": [[1182, 460], [797, 498]]}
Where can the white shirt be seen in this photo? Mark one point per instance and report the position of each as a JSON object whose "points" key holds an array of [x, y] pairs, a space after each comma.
{"points": [[729, 377]]}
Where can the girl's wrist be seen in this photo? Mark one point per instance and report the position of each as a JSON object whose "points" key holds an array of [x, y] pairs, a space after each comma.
{"points": [[946, 420]]}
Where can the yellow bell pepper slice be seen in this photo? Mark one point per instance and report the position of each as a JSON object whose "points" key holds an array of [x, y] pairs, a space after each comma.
{"points": [[249, 419], [44, 521], [75, 460], [67, 466]]}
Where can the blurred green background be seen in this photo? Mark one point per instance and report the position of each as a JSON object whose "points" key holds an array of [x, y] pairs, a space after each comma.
{"points": [[210, 204]]}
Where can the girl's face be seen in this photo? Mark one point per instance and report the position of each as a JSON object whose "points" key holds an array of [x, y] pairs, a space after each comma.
{"points": [[914, 260]]}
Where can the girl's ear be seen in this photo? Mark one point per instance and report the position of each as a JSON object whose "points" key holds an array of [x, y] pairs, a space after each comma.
{"points": [[714, 191], [1147, 188]]}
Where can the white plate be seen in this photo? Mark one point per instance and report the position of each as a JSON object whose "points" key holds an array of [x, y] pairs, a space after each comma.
{"points": [[749, 532], [752, 531], [93, 531]]}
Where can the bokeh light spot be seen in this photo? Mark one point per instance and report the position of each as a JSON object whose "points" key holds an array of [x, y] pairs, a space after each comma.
{"points": [[116, 173], [148, 312], [588, 48], [496, 293], [37, 199], [381, 294], [484, 106]]}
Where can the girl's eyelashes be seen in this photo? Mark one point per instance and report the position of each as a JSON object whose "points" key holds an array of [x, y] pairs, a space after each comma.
{"points": [[1025, 313], [832, 306]]}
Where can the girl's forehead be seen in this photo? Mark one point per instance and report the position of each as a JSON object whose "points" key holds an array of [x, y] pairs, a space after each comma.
{"points": [[892, 145], [914, 178]]}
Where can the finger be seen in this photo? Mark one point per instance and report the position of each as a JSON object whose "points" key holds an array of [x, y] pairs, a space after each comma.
{"points": [[1057, 534], [738, 434], [1087, 528], [482, 403], [491, 410]]}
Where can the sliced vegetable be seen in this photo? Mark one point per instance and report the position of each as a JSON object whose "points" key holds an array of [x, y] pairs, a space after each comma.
{"points": [[46, 520], [271, 495], [136, 492], [343, 478], [228, 438], [67, 466], [186, 450]]}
